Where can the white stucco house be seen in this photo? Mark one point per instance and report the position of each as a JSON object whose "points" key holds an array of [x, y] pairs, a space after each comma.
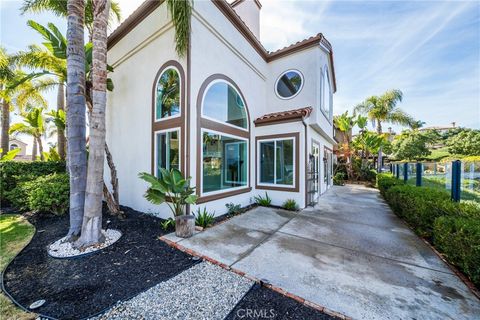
{"points": [[240, 120]]}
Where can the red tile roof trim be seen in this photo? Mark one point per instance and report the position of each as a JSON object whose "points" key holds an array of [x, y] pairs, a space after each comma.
{"points": [[285, 115]]}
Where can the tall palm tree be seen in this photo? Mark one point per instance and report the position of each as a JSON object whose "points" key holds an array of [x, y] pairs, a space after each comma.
{"points": [[33, 125], [383, 109], [92, 219], [15, 92], [60, 8], [76, 120]]}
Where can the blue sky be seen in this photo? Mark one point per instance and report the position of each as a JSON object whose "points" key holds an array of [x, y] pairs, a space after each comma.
{"points": [[428, 49]]}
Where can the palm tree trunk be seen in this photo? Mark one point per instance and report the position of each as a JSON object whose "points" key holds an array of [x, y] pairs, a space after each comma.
{"points": [[5, 127], [34, 149], [60, 132], [76, 148], [40, 147], [92, 220], [380, 155]]}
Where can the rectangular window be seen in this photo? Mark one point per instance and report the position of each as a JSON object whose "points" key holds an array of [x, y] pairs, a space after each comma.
{"points": [[277, 162], [224, 162], [167, 150]]}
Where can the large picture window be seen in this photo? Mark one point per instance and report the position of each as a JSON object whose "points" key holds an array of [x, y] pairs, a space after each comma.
{"points": [[167, 102], [223, 167], [277, 164], [223, 103], [224, 162], [167, 150]]}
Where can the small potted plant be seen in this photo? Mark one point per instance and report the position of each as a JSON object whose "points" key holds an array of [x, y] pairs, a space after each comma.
{"points": [[174, 190]]}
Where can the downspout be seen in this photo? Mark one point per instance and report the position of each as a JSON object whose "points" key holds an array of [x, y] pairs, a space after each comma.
{"points": [[306, 161]]}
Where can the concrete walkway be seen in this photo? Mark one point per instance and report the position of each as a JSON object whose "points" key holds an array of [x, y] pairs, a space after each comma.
{"points": [[350, 254]]}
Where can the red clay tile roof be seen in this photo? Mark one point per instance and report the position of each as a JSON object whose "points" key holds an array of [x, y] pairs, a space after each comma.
{"points": [[284, 115]]}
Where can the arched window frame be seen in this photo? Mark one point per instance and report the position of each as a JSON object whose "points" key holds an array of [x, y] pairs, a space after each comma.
{"points": [[325, 78], [299, 89], [13, 146], [172, 123], [221, 80], [173, 67], [208, 124]]}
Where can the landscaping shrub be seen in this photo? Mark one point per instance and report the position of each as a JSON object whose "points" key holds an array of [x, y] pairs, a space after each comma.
{"points": [[458, 238], [339, 178], [261, 201], [420, 206], [14, 172], [49, 194], [290, 204], [385, 181], [204, 218], [233, 209]]}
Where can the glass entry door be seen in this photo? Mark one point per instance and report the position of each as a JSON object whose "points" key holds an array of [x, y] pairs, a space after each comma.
{"points": [[316, 170]]}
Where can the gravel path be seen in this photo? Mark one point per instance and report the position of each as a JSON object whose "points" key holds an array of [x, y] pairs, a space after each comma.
{"points": [[204, 291]]}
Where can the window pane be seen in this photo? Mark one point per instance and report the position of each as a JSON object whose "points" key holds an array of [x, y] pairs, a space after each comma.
{"points": [[267, 164], [326, 99], [289, 84], [225, 162], [168, 94], [223, 103], [284, 162], [168, 155]]}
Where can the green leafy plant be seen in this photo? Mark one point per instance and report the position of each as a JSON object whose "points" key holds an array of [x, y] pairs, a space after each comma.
{"points": [[261, 201], [50, 194], [203, 218], [339, 179], [168, 224], [290, 204], [233, 209], [170, 188], [10, 155], [385, 181]]}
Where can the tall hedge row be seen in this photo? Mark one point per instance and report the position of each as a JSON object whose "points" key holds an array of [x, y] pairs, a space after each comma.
{"points": [[454, 228]]}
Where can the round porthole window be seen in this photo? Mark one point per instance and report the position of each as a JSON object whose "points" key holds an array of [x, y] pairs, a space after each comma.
{"points": [[289, 84]]}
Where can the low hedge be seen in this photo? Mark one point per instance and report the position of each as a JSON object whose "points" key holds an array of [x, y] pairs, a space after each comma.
{"points": [[385, 181], [453, 227], [48, 193], [458, 238], [14, 172]]}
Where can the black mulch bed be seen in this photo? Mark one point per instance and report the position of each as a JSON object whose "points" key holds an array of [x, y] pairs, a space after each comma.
{"points": [[263, 303], [82, 287]]}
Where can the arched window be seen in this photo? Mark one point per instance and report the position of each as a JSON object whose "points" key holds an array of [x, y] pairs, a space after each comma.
{"points": [[13, 146], [223, 160], [223, 103], [326, 94], [168, 123], [167, 102]]}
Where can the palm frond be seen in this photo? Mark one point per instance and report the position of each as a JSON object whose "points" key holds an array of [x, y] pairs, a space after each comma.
{"points": [[181, 12]]}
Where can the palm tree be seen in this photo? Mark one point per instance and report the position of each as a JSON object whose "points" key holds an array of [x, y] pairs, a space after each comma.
{"points": [[415, 125], [382, 109], [15, 91], [60, 8], [181, 11], [92, 219], [345, 124], [76, 120], [33, 125]]}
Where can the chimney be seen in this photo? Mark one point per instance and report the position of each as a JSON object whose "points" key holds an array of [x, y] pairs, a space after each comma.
{"points": [[453, 124], [249, 11]]}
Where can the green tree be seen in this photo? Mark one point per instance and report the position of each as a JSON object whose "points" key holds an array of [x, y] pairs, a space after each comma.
{"points": [[465, 142], [345, 124], [383, 109], [411, 145], [33, 125]]}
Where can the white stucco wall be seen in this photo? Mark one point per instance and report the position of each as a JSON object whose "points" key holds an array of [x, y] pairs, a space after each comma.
{"points": [[136, 60], [249, 11]]}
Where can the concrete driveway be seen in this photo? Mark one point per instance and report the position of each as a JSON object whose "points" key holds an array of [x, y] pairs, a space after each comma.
{"points": [[350, 254]]}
